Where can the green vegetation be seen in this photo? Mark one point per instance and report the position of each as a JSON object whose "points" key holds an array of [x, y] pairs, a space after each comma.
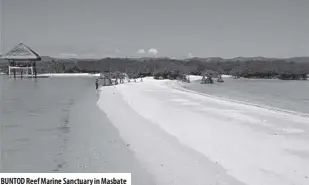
{"points": [[285, 69]]}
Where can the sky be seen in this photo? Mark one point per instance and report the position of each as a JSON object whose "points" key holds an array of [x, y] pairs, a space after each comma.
{"points": [[161, 28]]}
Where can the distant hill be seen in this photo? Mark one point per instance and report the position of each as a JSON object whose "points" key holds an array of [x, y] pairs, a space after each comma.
{"points": [[46, 58], [244, 59], [299, 59], [210, 59], [195, 59]]}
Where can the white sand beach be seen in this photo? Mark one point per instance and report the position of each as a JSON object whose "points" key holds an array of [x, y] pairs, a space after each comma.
{"points": [[182, 137]]}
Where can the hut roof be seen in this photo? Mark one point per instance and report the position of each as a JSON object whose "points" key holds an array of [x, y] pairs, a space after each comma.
{"points": [[21, 52]]}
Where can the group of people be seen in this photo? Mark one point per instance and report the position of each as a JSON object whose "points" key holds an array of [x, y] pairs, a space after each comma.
{"points": [[121, 81]]}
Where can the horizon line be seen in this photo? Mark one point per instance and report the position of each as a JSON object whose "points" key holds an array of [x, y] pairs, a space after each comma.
{"points": [[173, 58]]}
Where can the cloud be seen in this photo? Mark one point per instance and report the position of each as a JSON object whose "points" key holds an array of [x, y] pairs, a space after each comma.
{"points": [[152, 51], [68, 55], [117, 51], [141, 51], [190, 55]]}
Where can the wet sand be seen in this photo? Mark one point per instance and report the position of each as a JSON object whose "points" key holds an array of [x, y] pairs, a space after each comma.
{"points": [[95, 145]]}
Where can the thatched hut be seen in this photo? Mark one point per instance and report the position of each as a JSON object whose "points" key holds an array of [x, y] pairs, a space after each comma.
{"points": [[22, 60]]}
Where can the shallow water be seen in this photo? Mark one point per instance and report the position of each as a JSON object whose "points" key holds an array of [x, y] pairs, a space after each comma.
{"points": [[35, 121], [289, 95], [54, 125]]}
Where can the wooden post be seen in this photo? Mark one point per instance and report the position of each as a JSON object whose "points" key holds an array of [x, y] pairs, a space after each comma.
{"points": [[14, 70], [31, 72], [34, 65], [9, 70]]}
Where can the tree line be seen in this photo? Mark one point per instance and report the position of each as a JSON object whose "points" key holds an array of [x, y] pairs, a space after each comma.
{"points": [[166, 67]]}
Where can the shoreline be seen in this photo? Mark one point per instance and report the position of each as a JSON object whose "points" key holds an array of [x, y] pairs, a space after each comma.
{"points": [[186, 88], [68, 75], [103, 150], [247, 103], [47, 75]]}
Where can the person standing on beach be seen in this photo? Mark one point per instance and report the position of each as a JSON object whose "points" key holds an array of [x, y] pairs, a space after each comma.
{"points": [[96, 83]]}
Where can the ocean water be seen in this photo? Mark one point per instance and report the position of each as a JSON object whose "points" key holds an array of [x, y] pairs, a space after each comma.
{"points": [[54, 125], [35, 121], [288, 95]]}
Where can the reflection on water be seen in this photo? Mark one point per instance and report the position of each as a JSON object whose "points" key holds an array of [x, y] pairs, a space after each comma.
{"points": [[35, 120]]}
